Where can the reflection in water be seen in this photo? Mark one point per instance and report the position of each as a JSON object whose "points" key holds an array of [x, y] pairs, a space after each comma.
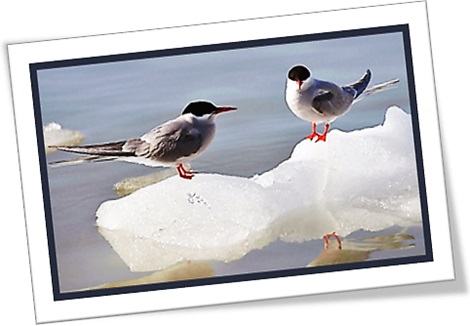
{"points": [[343, 256], [357, 251], [353, 251], [129, 185], [182, 271]]}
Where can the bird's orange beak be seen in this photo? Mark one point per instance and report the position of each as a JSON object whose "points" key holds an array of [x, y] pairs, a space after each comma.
{"points": [[224, 109], [299, 82]]}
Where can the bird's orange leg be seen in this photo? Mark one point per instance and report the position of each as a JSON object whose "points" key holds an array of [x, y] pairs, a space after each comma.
{"points": [[314, 132], [331, 235], [183, 173], [323, 136]]}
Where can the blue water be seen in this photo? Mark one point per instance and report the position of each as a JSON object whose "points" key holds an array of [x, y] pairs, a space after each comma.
{"points": [[120, 100]]}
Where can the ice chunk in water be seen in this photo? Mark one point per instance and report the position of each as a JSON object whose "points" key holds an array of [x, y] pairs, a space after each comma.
{"points": [[365, 179], [217, 217], [362, 179], [55, 135]]}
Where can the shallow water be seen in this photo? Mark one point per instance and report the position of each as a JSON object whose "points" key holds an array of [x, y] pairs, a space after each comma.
{"points": [[120, 100]]}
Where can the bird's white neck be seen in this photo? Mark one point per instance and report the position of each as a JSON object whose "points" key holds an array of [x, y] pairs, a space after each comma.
{"points": [[205, 119], [294, 94]]}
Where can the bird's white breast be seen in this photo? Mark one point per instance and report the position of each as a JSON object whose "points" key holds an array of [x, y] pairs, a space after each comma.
{"points": [[300, 102]]}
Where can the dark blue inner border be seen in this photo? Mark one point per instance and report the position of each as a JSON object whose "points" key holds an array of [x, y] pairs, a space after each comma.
{"points": [[34, 67]]}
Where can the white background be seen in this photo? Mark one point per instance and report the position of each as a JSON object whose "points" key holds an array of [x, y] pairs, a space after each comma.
{"points": [[24, 21]]}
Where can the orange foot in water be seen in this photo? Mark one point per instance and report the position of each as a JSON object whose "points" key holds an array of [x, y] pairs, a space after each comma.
{"points": [[331, 235]]}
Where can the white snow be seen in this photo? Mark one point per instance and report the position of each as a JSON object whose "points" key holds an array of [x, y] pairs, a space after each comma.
{"points": [[365, 179], [55, 135]]}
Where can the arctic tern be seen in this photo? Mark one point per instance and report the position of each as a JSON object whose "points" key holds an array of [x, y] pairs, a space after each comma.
{"points": [[318, 101], [172, 143]]}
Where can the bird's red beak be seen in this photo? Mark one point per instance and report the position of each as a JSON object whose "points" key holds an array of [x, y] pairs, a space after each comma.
{"points": [[299, 82], [224, 109]]}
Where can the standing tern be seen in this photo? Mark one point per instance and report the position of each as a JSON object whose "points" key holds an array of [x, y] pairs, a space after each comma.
{"points": [[319, 101], [172, 143]]}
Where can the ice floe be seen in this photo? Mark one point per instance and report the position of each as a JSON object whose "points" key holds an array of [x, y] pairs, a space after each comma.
{"points": [[55, 135], [364, 179]]}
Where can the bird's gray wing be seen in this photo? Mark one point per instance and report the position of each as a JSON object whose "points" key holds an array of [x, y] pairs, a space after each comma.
{"points": [[319, 102], [171, 141], [100, 152], [107, 149], [165, 143], [326, 92], [82, 159], [358, 87]]}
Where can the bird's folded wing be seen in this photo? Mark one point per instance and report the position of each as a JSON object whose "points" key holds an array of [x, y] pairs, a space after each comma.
{"points": [[106, 149], [319, 101], [168, 143], [82, 159]]}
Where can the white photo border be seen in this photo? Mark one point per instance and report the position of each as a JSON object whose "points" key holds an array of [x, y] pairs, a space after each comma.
{"points": [[53, 306]]}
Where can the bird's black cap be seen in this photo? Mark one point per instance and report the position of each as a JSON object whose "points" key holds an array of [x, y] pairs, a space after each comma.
{"points": [[298, 73], [199, 108]]}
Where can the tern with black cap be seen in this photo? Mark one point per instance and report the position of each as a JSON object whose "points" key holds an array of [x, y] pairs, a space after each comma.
{"points": [[172, 143], [318, 101]]}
